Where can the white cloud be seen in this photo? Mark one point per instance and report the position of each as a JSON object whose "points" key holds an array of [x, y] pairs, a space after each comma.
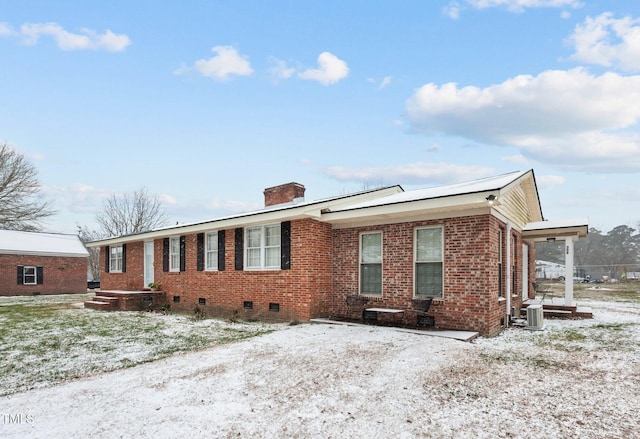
{"points": [[330, 70], [86, 40], [280, 69], [519, 158], [167, 199], [225, 63], [549, 181], [608, 42], [412, 173], [453, 9], [382, 84], [570, 117], [521, 5], [78, 197], [6, 30]]}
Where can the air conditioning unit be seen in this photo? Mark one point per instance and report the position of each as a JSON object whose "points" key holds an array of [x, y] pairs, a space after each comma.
{"points": [[535, 317]]}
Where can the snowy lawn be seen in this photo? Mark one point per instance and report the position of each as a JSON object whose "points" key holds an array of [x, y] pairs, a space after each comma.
{"points": [[577, 378], [46, 340]]}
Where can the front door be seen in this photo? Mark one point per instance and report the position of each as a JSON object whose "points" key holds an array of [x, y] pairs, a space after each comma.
{"points": [[148, 262], [525, 271]]}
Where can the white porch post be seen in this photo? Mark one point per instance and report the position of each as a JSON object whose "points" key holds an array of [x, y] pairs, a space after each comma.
{"points": [[568, 274]]}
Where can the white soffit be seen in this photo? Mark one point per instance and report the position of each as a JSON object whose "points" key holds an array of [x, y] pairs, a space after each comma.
{"points": [[543, 230]]}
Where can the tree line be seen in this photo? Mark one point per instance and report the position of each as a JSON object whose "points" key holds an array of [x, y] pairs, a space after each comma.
{"points": [[600, 254]]}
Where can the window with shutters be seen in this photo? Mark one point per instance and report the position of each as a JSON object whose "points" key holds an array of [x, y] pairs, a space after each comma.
{"points": [[371, 263], [429, 272], [174, 253], [29, 276], [262, 247], [211, 251], [115, 258]]}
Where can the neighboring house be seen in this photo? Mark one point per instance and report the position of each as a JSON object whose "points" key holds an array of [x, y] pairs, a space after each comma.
{"points": [[464, 246], [41, 263]]}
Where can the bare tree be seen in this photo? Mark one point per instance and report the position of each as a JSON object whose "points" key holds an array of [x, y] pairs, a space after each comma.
{"points": [[87, 235], [129, 213], [21, 205]]}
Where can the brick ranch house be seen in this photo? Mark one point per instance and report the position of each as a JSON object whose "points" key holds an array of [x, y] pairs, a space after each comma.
{"points": [[41, 263], [464, 246]]}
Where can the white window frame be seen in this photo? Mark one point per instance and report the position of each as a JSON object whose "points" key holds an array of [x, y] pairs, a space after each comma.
{"points": [[361, 262], [416, 261], [25, 275], [262, 248], [115, 258], [211, 251], [174, 254]]}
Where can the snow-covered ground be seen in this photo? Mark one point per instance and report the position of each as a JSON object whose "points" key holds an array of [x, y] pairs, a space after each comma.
{"points": [[578, 378]]}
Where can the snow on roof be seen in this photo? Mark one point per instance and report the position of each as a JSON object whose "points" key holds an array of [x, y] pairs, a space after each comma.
{"points": [[470, 187], [557, 224], [41, 244]]}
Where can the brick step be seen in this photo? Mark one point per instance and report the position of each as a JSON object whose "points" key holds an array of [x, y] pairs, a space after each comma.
{"points": [[100, 306], [585, 312], [557, 313], [107, 299]]}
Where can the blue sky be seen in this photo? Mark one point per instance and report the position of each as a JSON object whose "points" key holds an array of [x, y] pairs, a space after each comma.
{"points": [[206, 103]]}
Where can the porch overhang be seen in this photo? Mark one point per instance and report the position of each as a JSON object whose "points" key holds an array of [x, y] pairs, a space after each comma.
{"points": [[567, 231], [541, 231]]}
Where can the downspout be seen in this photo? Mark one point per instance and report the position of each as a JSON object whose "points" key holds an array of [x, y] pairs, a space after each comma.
{"points": [[508, 276]]}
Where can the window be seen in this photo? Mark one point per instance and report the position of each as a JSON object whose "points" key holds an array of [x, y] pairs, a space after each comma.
{"points": [[211, 251], [429, 262], [174, 253], [263, 247], [371, 263], [115, 259], [29, 276]]}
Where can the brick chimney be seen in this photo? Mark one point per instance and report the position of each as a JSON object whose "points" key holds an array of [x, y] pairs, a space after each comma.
{"points": [[285, 193]]}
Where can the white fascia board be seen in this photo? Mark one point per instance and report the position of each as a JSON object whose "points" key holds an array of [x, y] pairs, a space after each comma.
{"points": [[44, 253], [437, 208], [543, 230]]}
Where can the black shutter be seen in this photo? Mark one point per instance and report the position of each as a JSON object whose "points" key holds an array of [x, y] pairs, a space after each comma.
{"points": [[183, 253], [107, 254], [165, 254], [200, 252], [39, 275], [221, 252], [124, 258], [20, 274], [239, 244], [285, 245]]}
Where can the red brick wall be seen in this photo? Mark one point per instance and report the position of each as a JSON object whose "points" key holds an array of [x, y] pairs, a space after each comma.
{"points": [[324, 275], [302, 292], [133, 277], [61, 275], [471, 252]]}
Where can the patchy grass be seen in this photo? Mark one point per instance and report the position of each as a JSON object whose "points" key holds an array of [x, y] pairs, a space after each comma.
{"points": [[628, 292], [49, 339]]}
